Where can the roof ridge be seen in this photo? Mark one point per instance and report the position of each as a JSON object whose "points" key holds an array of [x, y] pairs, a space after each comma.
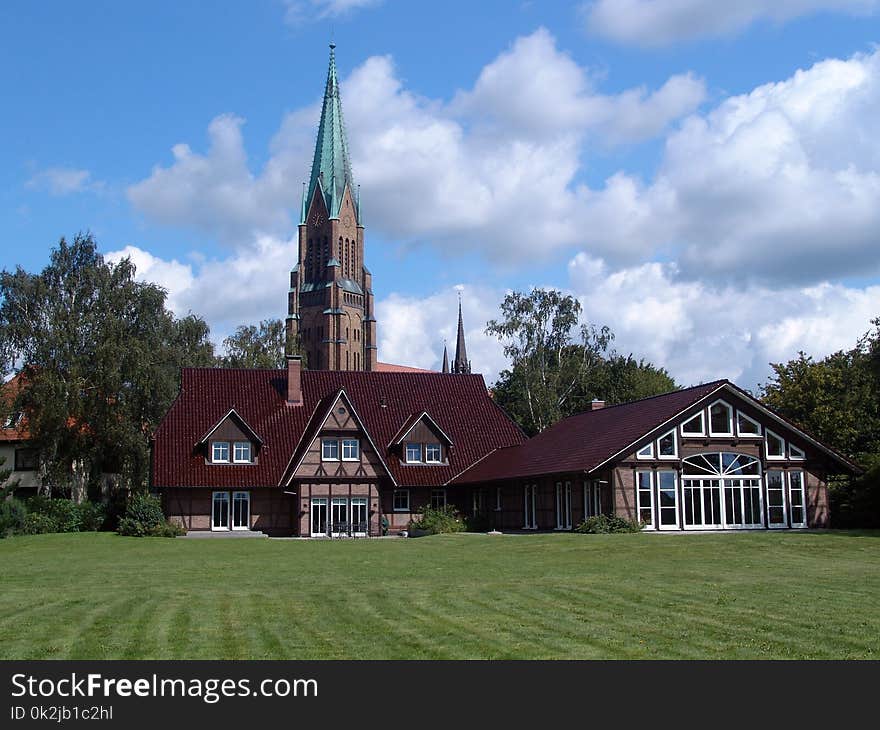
{"points": [[713, 383]]}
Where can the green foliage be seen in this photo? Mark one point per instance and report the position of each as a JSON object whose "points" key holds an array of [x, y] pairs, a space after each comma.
{"points": [[552, 375], [144, 518], [263, 346], [65, 515], [12, 516], [92, 516], [606, 524], [37, 523], [436, 521], [101, 357]]}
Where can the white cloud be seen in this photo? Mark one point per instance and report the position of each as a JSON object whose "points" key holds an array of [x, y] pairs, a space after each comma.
{"points": [[298, 12], [60, 181], [431, 171], [761, 186], [654, 23]]}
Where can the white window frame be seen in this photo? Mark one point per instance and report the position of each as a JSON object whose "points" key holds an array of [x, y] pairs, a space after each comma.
{"points": [[328, 442], [406, 453], [214, 459], [563, 505], [236, 496], [235, 450], [592, 499], [319, 502], [530, 504], [439, 450], [774, 457], [659, 506], [650, 490], [345, 446], [694, 434], [782, 488], [640, 454], [499, 497], [435, 493], [228, 502], [795, 453], [746, 434], [674, 454], [803, 492], [731, 415], [359, 502], [394, 496]]}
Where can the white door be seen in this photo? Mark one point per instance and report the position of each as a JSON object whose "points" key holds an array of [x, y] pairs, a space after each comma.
{"points": [[319, 517], [360, 521], [776, 513], [241, 510], [339, 526], [220, 511]]}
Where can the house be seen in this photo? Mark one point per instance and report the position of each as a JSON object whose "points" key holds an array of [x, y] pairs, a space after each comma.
{"points": [[710, 457], [320, 452], [15, 445]]}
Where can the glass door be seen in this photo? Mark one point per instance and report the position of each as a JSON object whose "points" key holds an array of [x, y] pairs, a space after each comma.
{"points": [[319, 517], [742, 503], [529, 507], [702, 504], [339, 526], [220, 511], [563, 506], [360, 521], [796, 499], [776, 516], [241, 510], [667, 493]]}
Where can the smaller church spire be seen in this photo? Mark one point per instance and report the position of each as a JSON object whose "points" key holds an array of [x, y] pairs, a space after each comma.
{"points": [[445, 358], [461, 365]]}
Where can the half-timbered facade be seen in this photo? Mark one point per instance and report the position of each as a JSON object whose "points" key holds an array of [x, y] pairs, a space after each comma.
{"points": [[704, 458]]}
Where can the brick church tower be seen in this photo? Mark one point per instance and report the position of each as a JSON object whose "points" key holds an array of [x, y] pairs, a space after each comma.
{"points": [[330, 304]]}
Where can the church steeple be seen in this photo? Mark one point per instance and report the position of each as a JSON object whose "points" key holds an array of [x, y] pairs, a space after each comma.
{"points": [[445, 358], [461, 365], [331, 165]]}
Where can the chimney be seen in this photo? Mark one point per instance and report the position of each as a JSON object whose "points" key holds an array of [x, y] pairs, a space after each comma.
{"points": [[597, 404], [294, 380]]}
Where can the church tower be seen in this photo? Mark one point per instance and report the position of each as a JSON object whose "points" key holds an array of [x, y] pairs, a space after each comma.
{"points": [[330, 304], [461, 365]]}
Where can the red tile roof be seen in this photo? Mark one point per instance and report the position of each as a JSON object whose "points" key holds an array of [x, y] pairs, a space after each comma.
{"points": [[586, 440], [383, 400], [8, 393]]}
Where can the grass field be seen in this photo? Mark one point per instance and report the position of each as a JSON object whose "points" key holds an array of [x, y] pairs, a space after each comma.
{"points": [[742, 596]]}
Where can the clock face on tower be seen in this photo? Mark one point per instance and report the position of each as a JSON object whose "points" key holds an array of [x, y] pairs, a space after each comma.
{"points": [[317, 219]]}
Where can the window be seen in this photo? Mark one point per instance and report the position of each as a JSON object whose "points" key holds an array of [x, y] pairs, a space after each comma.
{"points": [[645, 497], [666, 446], [530, 501], [721, 490], [241, 453], [796, 499], [413, 453], [329, 450], [795, 453], [720, 419], [776, 499], [25, 459], [667, 491], [775, 446], [432, 453], [351, 450], [220, 452], [498, 498], [401, 500], [477, 502], [220, 511], [12, 420], [563, 506], [746, 426], [646, 452], [694, 426], [438, 498], [241, 510]]}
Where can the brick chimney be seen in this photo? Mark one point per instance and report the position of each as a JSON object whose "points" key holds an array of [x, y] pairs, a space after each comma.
{"points": [[597, 404], [294, 380]]}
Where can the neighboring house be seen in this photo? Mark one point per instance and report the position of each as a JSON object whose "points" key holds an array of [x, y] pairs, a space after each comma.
{"points": [[709, 457], [14, 443], [318, 453]]}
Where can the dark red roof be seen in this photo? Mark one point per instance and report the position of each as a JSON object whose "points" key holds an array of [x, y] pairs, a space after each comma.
{"points": [[383, 401], [586, 440]]}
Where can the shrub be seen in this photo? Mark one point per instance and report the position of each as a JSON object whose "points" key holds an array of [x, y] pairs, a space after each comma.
{"points": [[436, 521], [67, 515], [144, 518], [476, 523], [604, 524], [92, 516], [37, 523], [12, 516]]}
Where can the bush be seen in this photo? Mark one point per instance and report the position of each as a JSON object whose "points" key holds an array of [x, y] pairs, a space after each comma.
{"points": [[67, 515], [37, 523], [92, 516], [12, 516], [605, 524], [144, 518], [477, 523], [437, 521]]}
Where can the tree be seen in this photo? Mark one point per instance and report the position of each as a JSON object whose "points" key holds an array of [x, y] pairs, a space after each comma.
{"points": [[264, 346], [101, 357]]}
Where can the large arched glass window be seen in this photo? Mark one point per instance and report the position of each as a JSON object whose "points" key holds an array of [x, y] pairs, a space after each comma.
{"points": [[722, 489]]}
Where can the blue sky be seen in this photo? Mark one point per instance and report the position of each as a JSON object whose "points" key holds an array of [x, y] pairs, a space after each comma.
{"points": [[703, 175]]}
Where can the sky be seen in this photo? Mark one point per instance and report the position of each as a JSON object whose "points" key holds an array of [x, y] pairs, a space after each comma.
{"points": [[704, 177]]}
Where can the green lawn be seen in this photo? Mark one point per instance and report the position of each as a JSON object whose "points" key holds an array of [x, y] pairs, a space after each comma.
{"points": [[744, 596]]}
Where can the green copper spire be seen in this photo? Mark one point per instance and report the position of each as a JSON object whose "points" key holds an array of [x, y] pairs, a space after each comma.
{"points": [[331, 165]]}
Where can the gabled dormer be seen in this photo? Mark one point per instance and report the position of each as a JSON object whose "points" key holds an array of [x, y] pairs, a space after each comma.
{"points": [[421, 441], [231, 441]]}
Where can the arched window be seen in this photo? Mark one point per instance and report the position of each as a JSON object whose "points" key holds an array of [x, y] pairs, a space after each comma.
{"points": [[722, 489]]}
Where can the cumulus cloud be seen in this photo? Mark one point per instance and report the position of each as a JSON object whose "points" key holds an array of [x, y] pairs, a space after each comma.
{"points": [[473, 169], [60, 181], [654, 23], [297, 12]]}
